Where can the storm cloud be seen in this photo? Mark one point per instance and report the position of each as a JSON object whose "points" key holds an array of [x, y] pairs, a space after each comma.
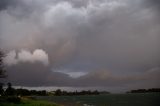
{"points": [[76, 39]]}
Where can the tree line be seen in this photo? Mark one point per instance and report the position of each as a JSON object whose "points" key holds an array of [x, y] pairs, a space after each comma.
{"points": [[59, 92], [10, 91], [152, 90]]}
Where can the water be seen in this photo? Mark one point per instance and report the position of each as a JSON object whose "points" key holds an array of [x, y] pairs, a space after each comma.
{"points": [[151, 99]]}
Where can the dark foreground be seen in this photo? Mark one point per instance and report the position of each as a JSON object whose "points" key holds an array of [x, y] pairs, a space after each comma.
{"points": [[24, 101], [150, 99]]}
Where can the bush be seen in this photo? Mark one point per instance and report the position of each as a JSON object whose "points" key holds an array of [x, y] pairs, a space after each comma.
{"points": [[14, 99]]}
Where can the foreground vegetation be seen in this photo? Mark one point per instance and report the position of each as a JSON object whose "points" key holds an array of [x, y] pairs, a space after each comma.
{"points": [[137, 99], [25, 101]]}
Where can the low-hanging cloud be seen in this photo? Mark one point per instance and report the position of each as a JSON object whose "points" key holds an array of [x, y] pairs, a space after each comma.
{"points": [[38, 55], [43, 76]]}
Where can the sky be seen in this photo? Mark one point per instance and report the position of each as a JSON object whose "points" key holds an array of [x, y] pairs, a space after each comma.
{"points": [[101, 44]]}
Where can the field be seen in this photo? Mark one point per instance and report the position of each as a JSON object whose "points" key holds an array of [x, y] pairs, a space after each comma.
{"points": [[29, 102], [107, 100]]}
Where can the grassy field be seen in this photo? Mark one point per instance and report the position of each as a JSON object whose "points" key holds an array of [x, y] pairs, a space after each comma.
{"points": [[30, 102], [107, 100]]}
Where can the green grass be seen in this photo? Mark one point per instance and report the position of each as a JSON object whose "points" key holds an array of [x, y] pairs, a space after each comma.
{"points": [[30, 102]]}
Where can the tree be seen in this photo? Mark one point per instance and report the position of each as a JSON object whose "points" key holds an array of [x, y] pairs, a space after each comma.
{"points": [[10, 91], [58, 92], [1, 89], [2, 70]]}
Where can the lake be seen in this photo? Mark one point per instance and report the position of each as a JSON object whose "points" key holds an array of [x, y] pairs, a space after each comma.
{"points": [[147, 99]]}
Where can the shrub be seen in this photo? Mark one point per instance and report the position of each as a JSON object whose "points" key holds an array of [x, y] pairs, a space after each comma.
{"points": [[13, 99]]}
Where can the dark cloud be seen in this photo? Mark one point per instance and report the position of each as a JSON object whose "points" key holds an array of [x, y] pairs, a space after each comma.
{"points": [[27, 74], [81, 36], [35, 74], [153, 3], [4, 4], [108, 79]]}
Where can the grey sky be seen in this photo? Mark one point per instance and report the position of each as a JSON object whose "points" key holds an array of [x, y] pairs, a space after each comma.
{"points": [[93, 43]]}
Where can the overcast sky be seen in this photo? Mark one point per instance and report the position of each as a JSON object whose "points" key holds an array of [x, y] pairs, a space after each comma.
{"points": [[109, 44]]}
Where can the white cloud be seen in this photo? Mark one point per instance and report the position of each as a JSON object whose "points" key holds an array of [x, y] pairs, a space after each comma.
{"points": [[61, 13], [76, 74], [71, 73], [25, 56], [10, 59], [38, 55]]}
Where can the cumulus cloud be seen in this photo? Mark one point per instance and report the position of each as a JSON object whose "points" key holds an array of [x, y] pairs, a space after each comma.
{"points": [[10, 58], [38, 55]]}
